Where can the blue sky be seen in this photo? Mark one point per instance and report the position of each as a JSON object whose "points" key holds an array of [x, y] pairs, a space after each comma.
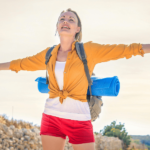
{"points": [[28, 27]]}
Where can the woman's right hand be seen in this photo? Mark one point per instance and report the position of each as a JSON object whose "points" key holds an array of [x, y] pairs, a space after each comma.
{"points": [[4, 66]]}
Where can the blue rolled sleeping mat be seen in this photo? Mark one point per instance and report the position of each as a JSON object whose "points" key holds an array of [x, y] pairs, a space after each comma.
{"points": [[109, 86]]}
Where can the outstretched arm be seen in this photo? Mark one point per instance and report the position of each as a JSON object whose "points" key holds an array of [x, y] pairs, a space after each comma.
{"points": [[106, 52], [4, 66], [146, 48], [31, 63]]}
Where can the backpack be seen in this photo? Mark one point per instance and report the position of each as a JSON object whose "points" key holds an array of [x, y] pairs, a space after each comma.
{"points": [[95, 102]]}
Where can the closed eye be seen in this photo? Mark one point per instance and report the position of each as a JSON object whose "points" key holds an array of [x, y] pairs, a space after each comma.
{"points": [[63, 19]]}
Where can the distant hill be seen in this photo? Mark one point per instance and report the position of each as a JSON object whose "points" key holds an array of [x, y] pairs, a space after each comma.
{"points": [[144, 139]]}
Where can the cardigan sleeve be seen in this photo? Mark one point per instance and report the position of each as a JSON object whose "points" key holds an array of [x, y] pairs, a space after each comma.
{"points": [[31, 63], [107, 52]]}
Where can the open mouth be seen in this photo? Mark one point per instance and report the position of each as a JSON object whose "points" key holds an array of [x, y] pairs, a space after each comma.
{"points": [[65, 27]]}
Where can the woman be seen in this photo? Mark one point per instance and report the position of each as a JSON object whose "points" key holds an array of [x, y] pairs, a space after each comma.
{"points": [[66, 110]]}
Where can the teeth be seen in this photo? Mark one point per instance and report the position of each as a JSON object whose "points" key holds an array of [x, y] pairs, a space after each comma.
{"points": [[65, 27]]}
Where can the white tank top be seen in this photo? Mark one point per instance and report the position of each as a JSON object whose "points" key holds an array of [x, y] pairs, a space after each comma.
{"points": [[70, 108]]}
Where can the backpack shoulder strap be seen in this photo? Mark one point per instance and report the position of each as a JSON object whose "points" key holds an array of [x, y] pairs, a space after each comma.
{"points": [[82, 56], [47, 57], [48, 54]]}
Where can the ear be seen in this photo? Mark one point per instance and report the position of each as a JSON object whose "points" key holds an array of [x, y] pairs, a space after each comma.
{"points": [[78, 29]]}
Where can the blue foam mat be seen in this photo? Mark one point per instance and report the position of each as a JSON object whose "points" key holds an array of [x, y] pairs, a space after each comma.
{"points": [[109, 86]]}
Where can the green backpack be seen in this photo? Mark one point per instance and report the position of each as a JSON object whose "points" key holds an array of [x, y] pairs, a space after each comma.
{"points": [[95, 102]]}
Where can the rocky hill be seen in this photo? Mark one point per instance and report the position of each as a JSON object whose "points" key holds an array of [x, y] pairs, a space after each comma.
{"points": [[23, 136], [12, 138]]}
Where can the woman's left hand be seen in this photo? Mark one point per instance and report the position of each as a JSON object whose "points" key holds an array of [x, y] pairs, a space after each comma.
{"points": [[146, 48]]}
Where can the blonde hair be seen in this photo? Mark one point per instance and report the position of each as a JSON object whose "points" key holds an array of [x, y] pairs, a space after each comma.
{"points": [[78, 35]]}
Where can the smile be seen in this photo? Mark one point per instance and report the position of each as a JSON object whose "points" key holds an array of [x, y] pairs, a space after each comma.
{"points": [[65, 27]]}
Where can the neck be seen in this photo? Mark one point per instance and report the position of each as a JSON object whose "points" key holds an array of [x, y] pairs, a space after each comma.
{"points": [[66, 43]]}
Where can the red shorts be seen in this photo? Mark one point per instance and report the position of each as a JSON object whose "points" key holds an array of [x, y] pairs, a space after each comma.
{"points": [[78, 132]]}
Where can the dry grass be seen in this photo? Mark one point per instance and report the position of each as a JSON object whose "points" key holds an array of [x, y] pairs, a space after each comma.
{"points": [[17, 123]]}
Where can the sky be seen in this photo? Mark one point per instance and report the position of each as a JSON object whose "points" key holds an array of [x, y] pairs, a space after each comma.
{"points": [[28, 27]]}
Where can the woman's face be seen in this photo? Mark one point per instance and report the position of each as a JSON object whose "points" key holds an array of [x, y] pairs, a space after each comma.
{"points": [[70, 20]]}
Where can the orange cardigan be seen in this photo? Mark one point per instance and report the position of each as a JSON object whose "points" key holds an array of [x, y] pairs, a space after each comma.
{"points": [[75, 80]]}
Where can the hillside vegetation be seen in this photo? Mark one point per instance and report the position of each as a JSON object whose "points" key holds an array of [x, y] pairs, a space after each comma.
{"points": [[21, 135], [19, 124]]}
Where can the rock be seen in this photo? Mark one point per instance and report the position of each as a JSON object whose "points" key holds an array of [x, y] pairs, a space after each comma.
{"points": [[12, 127], [28, 132], [3, 136], [31, 142], [65, 148], [4, 128], [18, 133], [1, 126], [10, 143], [9, 133], [21, 147], [36, 131], [24, 131], [1, 132], [27, 137], [12, 138], [22, 138]]}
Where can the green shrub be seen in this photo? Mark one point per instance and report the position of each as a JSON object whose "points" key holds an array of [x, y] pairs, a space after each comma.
{"points": [[148, 147], [119, 131]]}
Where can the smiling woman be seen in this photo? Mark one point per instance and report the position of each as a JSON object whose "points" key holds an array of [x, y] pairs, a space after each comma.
{"points": [[71, 20], [63, 118]]}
